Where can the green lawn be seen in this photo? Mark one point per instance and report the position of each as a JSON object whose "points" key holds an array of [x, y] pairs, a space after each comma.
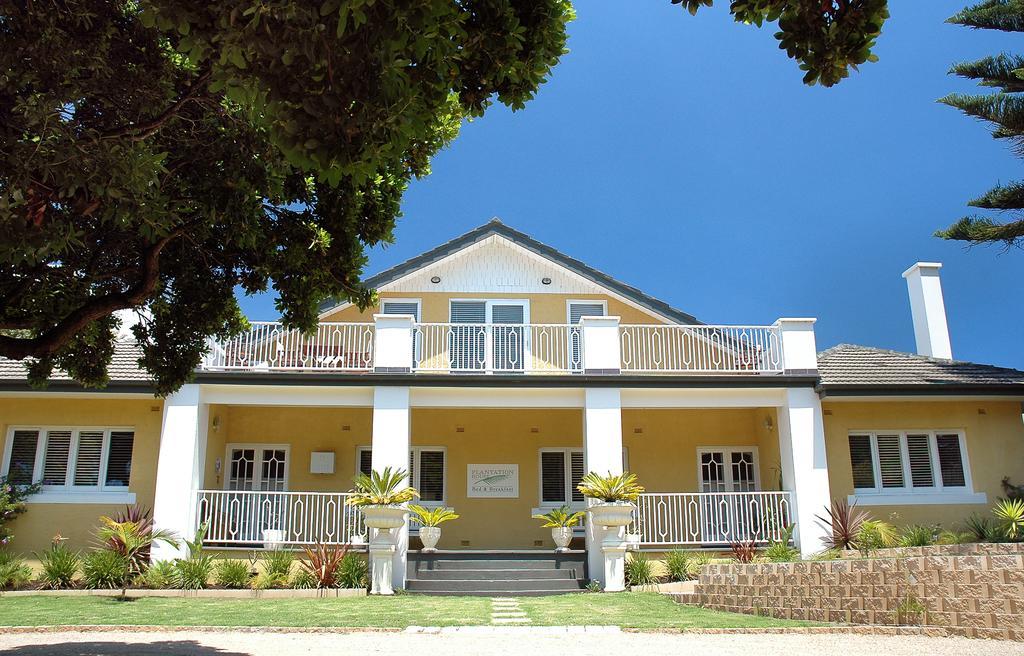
{"points": [[647, 610]]}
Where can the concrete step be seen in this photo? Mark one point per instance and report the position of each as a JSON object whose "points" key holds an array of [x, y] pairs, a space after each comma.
{"points": [[504, 585], [460, 574]]}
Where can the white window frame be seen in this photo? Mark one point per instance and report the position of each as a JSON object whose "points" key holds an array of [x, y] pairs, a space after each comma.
{"points": [[417, 301], [727, 465], [489, 304], [257, 473], [415, 453], [69, 492], [908, 494], [545, 506]]}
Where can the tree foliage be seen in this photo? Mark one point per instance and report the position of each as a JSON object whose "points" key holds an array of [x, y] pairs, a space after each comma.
{"points": [[1004, 109], [827, 37], [159, 155]]}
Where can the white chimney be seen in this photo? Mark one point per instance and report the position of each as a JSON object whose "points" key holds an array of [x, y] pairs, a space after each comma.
{"points": [[928, 310]]}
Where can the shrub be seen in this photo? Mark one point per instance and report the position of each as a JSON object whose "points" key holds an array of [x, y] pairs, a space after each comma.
{"points": [[159, 575], [353, 572], [876, 534], [697, 563], [678, 565], [12, 504], [277, 570], [980, 527], [59, 566], [916, 535], [1010, 516], [13, 570], [781, 551], [432, 516], [322, 563], [827, 554], [744, 552], [953, 537], [842, 522], [639, 570], [304, 580], [132, 540], [560, 517], [193, 573], [104, 568], [232, 574]]}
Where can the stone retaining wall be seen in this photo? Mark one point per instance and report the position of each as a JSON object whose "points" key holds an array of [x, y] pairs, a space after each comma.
{"points": [[972, 590]]}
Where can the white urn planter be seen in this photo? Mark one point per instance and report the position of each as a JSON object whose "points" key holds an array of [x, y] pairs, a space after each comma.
{"points": [[562, 535], [611, 518], [273, 539], [382, 545], [429, 535]]}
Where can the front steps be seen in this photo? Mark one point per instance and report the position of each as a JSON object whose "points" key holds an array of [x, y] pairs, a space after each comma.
{"points": [[496, 573]]}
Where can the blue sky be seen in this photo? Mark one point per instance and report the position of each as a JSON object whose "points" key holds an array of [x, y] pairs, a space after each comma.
{"points": [[684, 156]]}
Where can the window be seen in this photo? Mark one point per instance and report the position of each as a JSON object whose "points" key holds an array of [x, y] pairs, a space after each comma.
{"points": [[70, 460], [259, 467], [887, 463], [560, 472], [427, 472], [401, 306], [575, 311], [500, 345], [728, 469]]}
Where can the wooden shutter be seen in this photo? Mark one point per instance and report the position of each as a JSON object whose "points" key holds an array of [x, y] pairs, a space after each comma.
{"points": [[21, 469], [466, 343], [552, 477], [119, 459], [951, 461], [431, 484], [890, 460], [862, 462], [87, 458], [919, 455], [365, 461], [55, 461], [576, 471]]}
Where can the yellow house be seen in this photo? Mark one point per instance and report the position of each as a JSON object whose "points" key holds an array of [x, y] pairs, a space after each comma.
{"points": [[498, 371]]}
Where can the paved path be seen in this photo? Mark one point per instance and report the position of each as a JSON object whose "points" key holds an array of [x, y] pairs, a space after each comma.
{"points": [[506, 610], [489, 640]]}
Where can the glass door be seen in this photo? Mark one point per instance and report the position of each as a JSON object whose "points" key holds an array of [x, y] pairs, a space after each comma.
{"points": [[488, 336], [728, 517], [252, 470]]}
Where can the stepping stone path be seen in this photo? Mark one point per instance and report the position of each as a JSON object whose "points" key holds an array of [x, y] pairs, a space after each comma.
{"points": [[506, 610]]}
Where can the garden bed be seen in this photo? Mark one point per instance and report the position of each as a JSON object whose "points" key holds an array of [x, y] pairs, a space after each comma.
{"points": [[209, 593]]}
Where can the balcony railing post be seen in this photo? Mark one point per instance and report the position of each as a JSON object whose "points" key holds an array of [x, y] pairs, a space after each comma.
{"points": [[393, 343], [799, 351], [601, 354]]}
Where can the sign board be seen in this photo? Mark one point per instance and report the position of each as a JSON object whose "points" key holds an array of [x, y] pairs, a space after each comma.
{"points": [[492, 481]]}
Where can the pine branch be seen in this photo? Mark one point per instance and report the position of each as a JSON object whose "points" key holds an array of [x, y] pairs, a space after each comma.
{"points": [[1004, 71], [981, 230], [1005, 111], [1002, 197], [1004, 15]]}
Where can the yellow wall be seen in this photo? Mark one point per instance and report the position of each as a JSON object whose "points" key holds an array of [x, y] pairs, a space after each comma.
{"points": [[544, 308], [995, 448], [34, 530]]}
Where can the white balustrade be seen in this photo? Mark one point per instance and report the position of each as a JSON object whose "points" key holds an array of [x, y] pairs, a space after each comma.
{"points": [[240, 517], [711, 518], [701, 349], [497, 348], [269, 345]]}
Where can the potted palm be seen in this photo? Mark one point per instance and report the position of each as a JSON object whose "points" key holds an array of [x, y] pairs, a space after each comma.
{"points": [[430, 520], [561, 521], [381, 496], [614, 495]]}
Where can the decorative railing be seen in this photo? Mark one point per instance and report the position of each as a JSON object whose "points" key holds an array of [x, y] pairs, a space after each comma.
{"points": [[700, 349], [269, 345], [497, 348], [711, 518], [255, 519]]}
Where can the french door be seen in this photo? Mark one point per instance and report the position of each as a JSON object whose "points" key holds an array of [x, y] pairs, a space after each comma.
{"points": [[728, 517], [252, 469], [489, 336]]}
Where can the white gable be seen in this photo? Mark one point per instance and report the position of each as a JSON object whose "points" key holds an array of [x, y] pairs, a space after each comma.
{"points": [[495, 265]]}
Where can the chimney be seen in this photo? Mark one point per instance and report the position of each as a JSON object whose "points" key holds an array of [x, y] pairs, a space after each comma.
{"points": [[928, 310]]}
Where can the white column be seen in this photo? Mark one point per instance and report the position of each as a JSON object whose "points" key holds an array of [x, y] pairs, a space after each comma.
{"points": [[390, 448], [601, 345], [804, 465], [931, 331], [392, 342], [180, 464], [602, 453], [799, 352]]}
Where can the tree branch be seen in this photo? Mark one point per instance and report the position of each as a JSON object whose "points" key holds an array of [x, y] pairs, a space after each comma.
{"points": [[140, 131]]}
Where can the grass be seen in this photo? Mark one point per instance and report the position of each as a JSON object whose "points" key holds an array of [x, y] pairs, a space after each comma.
{"points": [[629, 610]]}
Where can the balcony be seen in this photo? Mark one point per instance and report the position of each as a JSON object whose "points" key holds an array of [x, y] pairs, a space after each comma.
{"points": [[597, 344]]}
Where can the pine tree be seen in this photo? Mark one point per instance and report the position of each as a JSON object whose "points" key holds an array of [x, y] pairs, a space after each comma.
{"points": [[1005, 110]]}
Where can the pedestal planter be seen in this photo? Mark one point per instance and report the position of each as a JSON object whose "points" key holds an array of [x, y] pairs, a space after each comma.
{"points": [[273, 539], [611, 519], [562, 535], [384, 519], [429, 535]]}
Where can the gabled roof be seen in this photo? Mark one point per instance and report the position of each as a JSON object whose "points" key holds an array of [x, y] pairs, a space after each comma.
{"points": [[849, 368], [495, 227]]}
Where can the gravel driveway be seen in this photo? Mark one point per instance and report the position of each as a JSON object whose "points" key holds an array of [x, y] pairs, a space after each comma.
{"points": [[536, 642]]}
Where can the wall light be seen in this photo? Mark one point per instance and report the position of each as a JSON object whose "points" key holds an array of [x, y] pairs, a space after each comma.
{"points": [[768, 423], [545, 281], [216, 423]]}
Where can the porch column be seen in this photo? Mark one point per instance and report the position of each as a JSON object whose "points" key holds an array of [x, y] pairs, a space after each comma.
{"points": [[602, 453], [802, 439], [390, 448], [180, 464], [601, 351]]}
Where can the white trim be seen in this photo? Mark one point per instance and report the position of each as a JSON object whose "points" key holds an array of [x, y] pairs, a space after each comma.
{"points": [[908, 493], [101, 490], [113, 498], [257, 471], [918, 499], [727, 466]]}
